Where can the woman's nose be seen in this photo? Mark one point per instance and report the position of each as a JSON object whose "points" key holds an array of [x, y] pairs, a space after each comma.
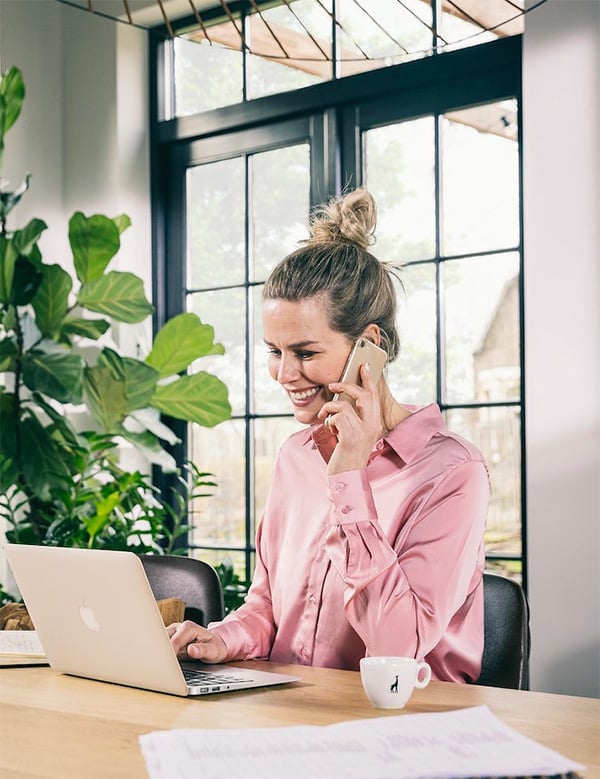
{"points": [[287, 369]]}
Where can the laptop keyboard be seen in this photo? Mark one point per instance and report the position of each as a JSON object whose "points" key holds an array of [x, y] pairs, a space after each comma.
{"points": [[196, 677]]}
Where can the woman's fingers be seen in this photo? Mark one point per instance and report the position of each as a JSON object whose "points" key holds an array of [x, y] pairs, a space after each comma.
{"points": [[190, 640]]}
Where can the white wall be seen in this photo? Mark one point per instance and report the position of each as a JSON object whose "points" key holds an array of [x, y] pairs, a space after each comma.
{"points": [[83, 136], [83, 132], [561, 104], [35, 143]]}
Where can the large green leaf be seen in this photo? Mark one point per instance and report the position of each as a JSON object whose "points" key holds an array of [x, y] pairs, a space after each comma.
{"points": [[12, 94], [117, 294], [54, 372], [26, 282], [179, 342], [122, 222], [148, 445], [9, 471], [94, 242], [148, 419], [51, 301], [140, 382], [61, 427], [104, 507], [26, 238], [105, 396], [200, 398], [138, 378], [8, 352], [43, 465], [8, 258], [87, 328]]}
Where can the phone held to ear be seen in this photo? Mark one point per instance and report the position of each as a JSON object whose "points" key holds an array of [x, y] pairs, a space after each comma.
{"points": [[362, 352]]}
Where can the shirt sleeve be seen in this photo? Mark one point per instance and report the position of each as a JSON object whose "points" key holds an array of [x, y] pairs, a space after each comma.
{"points": [[401, 593]]}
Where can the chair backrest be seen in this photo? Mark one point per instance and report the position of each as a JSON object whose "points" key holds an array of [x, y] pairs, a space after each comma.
{"points": [[192, 581], [506, 634]]}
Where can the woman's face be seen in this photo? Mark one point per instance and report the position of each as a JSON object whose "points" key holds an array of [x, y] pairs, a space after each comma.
{"points": [[305, 354]]}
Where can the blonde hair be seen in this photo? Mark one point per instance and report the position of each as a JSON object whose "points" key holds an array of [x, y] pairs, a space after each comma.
{"points": [[334, 260]]}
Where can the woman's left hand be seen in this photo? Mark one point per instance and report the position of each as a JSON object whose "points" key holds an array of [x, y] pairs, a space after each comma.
{"points": [[357, 426]]}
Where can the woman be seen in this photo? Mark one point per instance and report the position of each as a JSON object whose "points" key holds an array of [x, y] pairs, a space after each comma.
{"points": [[371, 541]]}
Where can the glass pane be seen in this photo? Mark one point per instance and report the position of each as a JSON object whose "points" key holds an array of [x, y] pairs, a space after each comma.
{"points": [[280, 182], [290, 48], [215, 224], [225, 310], [267, 395], [226, 557], [512, 569], [487, 22], [482, 357], [496, 431], [220, 518], [399, 171], [412, 375], [384, 31], [480, 193], [269, 434], [206, 76]]}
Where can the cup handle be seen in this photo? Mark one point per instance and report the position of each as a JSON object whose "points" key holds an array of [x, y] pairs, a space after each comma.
{"points": [[423, 675]]}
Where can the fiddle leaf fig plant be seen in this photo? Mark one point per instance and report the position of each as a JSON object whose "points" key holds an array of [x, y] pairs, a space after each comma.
{"points": [[61, 484]]}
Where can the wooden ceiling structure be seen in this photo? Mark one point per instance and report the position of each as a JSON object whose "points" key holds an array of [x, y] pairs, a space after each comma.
{"points": [[215, 23], [503, 17]]}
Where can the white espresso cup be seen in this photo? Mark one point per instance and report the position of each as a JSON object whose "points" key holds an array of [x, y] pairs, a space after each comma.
{"points": [[390, 681]]}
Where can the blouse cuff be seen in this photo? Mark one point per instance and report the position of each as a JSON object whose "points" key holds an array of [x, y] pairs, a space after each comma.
{"points": [[351, 496]]}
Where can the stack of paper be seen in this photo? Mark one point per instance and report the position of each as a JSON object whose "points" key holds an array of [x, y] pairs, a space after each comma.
{"points": [[21, 647], [466, 743]]}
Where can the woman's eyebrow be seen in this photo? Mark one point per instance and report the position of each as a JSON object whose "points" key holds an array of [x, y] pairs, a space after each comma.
{"points": [[298, 345]]}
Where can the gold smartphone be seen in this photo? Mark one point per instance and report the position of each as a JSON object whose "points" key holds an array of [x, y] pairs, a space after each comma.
{"points": [[363, 351]]}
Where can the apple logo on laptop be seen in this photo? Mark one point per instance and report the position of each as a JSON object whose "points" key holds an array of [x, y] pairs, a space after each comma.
{"points": [[89, 618]]}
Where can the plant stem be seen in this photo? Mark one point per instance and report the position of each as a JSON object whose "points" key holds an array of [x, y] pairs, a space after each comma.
{"points": [[17, 386]]}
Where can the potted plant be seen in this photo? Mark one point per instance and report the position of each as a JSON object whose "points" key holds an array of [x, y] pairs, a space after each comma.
{"points": [[60, 484]]}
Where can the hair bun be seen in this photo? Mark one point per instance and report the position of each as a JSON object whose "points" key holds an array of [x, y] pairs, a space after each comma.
{"points": [[348, 219]]}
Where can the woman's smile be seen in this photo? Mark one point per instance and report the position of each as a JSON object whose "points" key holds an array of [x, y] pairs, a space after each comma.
{"points": [[305, 395]]}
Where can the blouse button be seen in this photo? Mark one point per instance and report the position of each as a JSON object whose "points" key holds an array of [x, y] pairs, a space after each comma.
{"points": [[346, 509], [340, 486]]}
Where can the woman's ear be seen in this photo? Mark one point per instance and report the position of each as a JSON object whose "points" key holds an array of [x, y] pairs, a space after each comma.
{"points": [[372, 333]]}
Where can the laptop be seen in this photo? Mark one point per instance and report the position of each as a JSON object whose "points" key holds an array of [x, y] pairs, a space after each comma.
{"points": [[96, 617]]}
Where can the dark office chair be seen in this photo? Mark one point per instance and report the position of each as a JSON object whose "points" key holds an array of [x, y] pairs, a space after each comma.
{"points": [[193, 581], [505, 660]]}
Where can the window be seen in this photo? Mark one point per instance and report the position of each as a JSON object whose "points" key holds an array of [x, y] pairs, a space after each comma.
{"points": [[436, 139], [258, 48]]}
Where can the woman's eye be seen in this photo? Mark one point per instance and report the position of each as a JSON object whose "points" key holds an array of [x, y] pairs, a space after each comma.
{"points": [[305, 355], [274, 353]]}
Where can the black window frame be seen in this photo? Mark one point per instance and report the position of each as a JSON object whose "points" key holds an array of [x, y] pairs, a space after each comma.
{"points": [[343, 108]]}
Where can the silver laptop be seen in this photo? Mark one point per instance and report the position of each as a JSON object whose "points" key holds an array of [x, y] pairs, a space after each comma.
{"points": [[96, 617]]}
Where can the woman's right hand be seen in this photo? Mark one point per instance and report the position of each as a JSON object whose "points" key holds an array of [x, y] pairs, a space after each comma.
{"points": [[193, 642], [357, 426]]}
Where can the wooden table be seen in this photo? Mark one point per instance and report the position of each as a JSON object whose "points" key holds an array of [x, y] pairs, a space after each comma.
{"points": [[53, 725]]}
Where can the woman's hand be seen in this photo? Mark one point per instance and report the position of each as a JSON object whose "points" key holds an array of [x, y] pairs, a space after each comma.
{"points": [[357, 427], [193, 642]]}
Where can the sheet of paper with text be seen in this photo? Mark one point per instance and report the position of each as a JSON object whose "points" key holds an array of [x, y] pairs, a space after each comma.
{"points": [[464, 743]]}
